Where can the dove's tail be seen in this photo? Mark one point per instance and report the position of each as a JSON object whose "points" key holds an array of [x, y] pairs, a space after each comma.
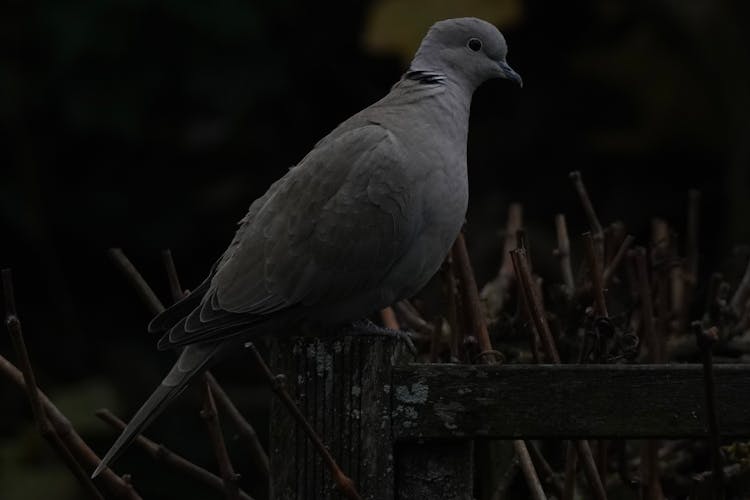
{"points": [[192, 361]]}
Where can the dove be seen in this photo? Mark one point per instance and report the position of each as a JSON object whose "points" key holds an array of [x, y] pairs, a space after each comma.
{"points": [[365, 219]]}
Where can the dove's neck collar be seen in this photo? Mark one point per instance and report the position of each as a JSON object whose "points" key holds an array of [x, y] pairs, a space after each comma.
{"points": [[426, 77]]}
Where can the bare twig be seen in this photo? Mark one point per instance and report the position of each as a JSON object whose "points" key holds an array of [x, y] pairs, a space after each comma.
{"points": [[538, 316], [211, 417], [134, 277], [174, 280], [244, 429], [571, 461], [469, 294], [526, 285], [471, 302], [524, 459], [343, 482], [47, 431], [651, 486], [451, 304], [495, 292], [597, 280], [546, 474], [706, 340], [161, 453], [111, 482], [588, 208], [611, 268], [647, 307], [476, 329], [562, 252]]}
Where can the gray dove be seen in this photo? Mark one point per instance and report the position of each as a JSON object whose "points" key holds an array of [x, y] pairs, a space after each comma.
{"points": [[364, 220]]}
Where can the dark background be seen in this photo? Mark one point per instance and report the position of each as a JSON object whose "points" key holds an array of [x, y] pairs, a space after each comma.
{"points": [[147, 125]]}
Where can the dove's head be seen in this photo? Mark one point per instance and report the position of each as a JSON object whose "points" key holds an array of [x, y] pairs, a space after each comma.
{"points": [[465, 49]]}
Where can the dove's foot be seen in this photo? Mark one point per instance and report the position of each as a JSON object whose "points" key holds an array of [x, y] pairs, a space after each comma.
{"points": [[368, 328]]}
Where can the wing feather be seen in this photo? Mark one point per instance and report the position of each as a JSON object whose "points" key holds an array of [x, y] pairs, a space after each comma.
{"points": [[332, 226]]}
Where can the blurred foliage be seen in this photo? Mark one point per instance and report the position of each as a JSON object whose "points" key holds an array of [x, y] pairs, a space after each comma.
{"points": [[153, 124]]}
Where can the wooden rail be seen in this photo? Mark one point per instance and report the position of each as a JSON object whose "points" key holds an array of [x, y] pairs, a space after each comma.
{"points": [[406, 430]]}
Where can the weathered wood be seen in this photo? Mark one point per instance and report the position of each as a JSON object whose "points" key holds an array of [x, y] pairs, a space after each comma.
{"points": [[342, 386], [566, 401], [436, 469]]}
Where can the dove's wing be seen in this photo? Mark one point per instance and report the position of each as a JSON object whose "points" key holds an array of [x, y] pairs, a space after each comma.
{"points": [[332, 227]]}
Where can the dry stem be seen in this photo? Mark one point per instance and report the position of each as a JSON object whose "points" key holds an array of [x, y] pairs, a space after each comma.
{"points": [[539, 316], [588, 208], [73, 442], [706, 340], [611, 268], [524, 459], [161, 453], [495, 292], [471, 303], [562, 252], [47, 431], [597, 280]]}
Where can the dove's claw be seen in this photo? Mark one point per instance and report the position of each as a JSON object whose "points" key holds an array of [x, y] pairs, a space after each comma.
{"points": [[367, 327]]}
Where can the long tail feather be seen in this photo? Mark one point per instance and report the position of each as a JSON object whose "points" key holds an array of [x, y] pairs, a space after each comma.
{"points": [[192, 361]]}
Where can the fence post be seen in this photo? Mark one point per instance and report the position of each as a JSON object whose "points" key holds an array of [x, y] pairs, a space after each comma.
{"points": [[342, 385]]}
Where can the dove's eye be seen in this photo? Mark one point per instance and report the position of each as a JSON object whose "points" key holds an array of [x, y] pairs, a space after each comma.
{"points": [[475, 44]]}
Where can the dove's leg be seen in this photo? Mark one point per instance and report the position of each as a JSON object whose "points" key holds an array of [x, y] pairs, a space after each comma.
{"points": [[367, 327]]}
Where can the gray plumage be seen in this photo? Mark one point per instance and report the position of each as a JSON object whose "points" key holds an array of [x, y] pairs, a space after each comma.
{"points": [[365, 219]]}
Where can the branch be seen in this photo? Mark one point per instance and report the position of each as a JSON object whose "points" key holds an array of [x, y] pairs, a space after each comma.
{"points": [[471, 303], [588, 208], [162, 454], [211, 417], [562, 252], [73, 442], [134, 277], [538, 315], [611, 268], [47, 431], [705, 341], [597, 280], [244, 428], [524, 459], [495, 292]]}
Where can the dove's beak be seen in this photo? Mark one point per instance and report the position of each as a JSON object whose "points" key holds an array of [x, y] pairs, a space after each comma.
{"points": [[509, 73]]}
